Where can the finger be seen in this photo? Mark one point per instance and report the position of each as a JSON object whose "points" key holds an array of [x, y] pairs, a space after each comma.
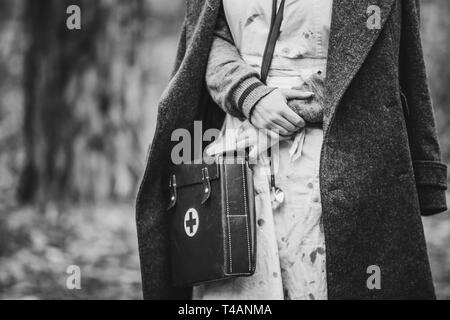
{"points": [[297, 94], [260, 122], [293, 117], [280, 130], [286, 124]]}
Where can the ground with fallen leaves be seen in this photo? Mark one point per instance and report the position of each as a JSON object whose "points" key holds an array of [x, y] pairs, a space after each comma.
{"points": [[36, 249]]}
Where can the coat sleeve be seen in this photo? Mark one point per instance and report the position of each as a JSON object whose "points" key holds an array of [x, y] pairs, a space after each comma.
{"points": [[430, 173], [232, 83]]}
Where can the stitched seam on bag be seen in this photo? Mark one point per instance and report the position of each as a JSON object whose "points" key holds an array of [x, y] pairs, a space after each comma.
{"points": [[229, 245], [246, 220], [228, 220]]}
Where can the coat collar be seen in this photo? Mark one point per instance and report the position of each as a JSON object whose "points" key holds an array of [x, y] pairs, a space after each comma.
{"points": [[350, 43]]}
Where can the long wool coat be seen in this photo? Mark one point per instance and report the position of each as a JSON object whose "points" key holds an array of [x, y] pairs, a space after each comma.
{"points": [[380, 165]]}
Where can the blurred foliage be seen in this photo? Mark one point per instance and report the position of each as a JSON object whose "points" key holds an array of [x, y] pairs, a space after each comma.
{"points": [[436, 40], [87, 107], [36, 250], [93, 92], [11, 99], [437, 232], [77, 108]]}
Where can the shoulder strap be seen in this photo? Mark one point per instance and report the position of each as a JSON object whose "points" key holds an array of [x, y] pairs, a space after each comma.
{"points": [[274, 32]]}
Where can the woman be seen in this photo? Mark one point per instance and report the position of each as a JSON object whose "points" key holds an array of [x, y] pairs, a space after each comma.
{"points": [[376, 157], [291, 245]]}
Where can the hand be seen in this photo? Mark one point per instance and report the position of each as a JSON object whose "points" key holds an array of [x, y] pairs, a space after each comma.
{"points": [[311, 110], [257, 140], [273, 113]]}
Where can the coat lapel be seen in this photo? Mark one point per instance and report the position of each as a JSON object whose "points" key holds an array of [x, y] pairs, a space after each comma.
{"points": [[350, 42]]}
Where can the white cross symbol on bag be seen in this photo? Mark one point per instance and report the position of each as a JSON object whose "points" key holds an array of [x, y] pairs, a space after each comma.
{"points": [[191, 222]]}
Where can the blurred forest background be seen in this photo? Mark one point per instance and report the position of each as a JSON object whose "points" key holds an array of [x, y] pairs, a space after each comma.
{"points": [[77, 113]]}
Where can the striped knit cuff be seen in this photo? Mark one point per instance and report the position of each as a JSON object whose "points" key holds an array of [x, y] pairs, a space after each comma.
{"points": [[248, 94]]}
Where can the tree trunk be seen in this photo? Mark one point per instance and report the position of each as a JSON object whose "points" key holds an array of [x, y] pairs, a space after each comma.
{"points": [[86, 95]]}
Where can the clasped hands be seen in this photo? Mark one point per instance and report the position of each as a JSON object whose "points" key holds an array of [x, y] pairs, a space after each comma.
{"points": [[277, 117]]}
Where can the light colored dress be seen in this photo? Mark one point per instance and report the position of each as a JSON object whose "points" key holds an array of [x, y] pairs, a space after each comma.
{"points": [[291, 260]]}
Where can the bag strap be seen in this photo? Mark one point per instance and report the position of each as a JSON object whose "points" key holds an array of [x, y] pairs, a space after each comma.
{"points": [[274, 32]]}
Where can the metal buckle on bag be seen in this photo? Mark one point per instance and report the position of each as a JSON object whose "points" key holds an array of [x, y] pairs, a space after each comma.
{"points": [[173, 191], [206, 185]]}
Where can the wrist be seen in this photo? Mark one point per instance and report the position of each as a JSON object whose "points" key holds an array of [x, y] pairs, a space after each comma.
{"points": [[249, 93]]}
